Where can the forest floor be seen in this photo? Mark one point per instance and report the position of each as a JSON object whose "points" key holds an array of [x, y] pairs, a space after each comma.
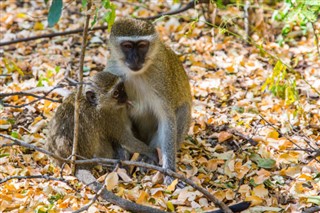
{"points": [[245, 143]]}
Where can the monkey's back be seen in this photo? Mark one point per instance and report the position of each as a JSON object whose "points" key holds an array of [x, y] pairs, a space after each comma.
{"points": [[93, 138]]}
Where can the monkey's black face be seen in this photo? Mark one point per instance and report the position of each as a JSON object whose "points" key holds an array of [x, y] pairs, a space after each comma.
{"points": [[120, 94], [135, 53]]}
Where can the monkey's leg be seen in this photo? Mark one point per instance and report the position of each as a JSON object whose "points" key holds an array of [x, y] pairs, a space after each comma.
{"points": [[183, 115], [165, 138]]}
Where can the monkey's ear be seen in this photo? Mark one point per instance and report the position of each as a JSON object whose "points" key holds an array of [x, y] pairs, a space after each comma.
{"points": [[91, 97]]}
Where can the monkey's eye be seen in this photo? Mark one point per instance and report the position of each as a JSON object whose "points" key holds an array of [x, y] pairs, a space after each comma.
{"points": [[143, 44], [127, 45], [115, 94]]}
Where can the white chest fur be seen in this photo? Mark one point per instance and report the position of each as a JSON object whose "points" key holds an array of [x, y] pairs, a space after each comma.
{"points": [[144, 97]]}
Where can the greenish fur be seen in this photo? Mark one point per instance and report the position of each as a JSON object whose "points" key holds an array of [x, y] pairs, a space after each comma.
{"points": [[100, 127], [160, 91]]}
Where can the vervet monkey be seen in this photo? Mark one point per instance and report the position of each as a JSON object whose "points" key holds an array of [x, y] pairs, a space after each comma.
{"points": [[155, 82], [104, 122]]}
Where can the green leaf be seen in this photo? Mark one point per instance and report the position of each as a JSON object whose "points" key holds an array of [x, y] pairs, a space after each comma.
{"points": [[4, 155], [57, 69], [95, 18], [15, 134], [262, 162], [46, 1], [311, 16], [54, 12], [84, 3], [314, 199], [266, 163], [55, 198], [170, 206], [310, 2], [110, 16]]}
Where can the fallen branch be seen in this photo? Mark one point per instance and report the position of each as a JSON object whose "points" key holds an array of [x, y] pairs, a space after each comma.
{"points": [[169, 172], [30, 146], [44, 96], [188, 6], [242, 136], [46, 177], [86, 207], [29, 94], [294, 143], [50, 35], [110, 195], [311, 209]]}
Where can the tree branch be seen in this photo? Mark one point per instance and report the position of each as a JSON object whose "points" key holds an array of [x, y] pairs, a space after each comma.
{"points": [[79, 91], [50, 35], [44, 96], [188, 6], [109, 195], [46, 177]]}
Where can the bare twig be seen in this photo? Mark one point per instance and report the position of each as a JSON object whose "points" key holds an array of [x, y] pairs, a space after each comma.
{"points": [[79, 90], [44, 96], [169, 172], [270, 124], [30, 146], [86, 207], [311, 209], [316, 38], [188, 6], [29, 94], [239, 134], [46, 177], [50, 35], [246, 20], [162, 170]]}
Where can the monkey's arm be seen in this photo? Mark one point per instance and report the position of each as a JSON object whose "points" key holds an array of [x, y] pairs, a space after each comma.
{"points": [[133, 145]]}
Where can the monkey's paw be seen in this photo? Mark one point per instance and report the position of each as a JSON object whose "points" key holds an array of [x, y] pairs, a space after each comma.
{"points": [[148, 160], [168, 180]]}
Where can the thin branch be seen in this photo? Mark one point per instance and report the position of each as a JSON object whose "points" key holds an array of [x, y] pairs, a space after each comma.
{"points": [[188, 6], [86, 207], [239, 134], [316, 38], [311, 209], [30, 146], [246, 19], [169, 172], [270, 124], [29, 94], [50, 35], [79, 91], [46, 177], [44, 96]]}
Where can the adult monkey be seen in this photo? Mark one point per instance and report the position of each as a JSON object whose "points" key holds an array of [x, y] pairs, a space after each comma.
{"points": [[155, 82]]}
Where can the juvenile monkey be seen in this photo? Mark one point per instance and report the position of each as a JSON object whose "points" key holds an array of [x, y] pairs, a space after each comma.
{"points": [[156, 83], [105, 127]]}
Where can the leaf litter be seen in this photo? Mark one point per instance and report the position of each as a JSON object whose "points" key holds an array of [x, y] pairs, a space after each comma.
{"points": [[226, 77]]}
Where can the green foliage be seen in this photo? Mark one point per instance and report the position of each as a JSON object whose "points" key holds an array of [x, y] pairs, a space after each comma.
{"points": [[265, 163], [281, 85], [55, 198], [110, 15], [298, 13], [15, 134], [41, 80], [54, 12]]}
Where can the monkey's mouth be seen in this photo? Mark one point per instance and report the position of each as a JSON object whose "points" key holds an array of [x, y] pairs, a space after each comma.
{"points": [[135, 68]]}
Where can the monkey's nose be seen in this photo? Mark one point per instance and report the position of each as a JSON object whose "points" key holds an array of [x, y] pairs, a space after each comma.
{"points": [[135, 67]]}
